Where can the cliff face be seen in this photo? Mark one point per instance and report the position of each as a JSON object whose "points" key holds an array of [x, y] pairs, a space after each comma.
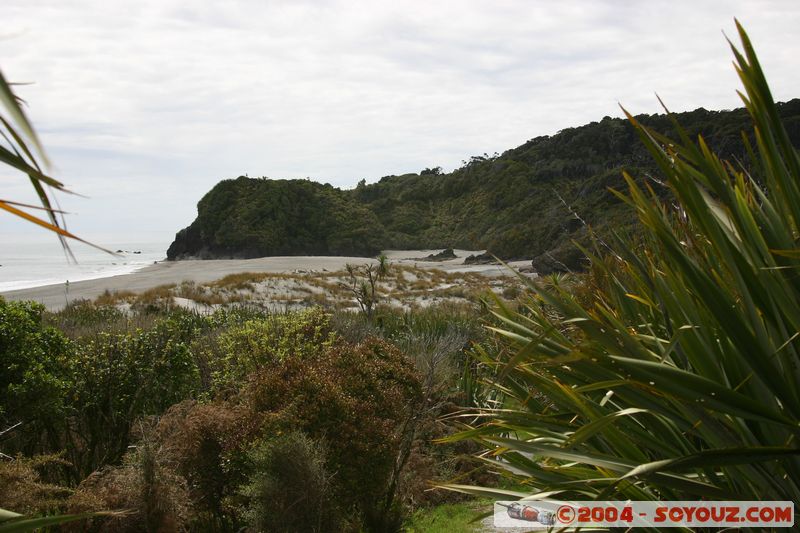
{"points": [[188, 244], [246, 217], [521, 204]]}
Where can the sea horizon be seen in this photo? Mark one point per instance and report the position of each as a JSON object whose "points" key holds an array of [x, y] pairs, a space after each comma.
{"points": [[34, 260]]}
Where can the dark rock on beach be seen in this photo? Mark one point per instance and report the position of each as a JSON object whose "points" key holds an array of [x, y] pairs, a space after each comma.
{"points": [[481, 259]]}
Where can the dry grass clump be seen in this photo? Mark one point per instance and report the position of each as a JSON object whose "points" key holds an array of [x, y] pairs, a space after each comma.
{"points": [[109, 298], [22, 489], [203, 440], [243, 281], [205, 295], [160, 295]]}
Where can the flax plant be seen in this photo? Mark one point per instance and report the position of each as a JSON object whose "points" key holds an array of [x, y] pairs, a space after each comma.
{"points": [[674, 373], [21, 150]]}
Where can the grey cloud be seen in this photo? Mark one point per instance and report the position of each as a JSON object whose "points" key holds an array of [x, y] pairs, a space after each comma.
{"points": [[158, 100]]}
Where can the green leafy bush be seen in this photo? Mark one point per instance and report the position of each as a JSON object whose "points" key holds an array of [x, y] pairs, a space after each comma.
{"points": [[245, 348], [116, 378], [31, 381], [257, 217]]}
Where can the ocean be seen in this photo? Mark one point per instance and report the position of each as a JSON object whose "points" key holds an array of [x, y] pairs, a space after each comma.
{"points": [[38, 259]]}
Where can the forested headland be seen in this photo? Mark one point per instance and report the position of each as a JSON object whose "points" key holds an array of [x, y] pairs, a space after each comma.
{"points": [[530, 202]]}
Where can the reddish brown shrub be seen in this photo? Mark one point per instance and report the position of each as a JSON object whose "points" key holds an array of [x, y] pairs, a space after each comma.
{"points": [[207, 443], [354, 397]]}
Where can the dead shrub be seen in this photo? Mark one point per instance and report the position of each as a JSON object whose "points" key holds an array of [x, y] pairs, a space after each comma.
{"points": [[146, 486], [22, 488]]}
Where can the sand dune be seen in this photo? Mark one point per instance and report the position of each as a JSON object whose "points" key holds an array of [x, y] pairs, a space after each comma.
{"points": [[56, 296]]}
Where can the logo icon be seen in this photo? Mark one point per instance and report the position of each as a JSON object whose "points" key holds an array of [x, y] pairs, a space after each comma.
{"points": [[565, 514], [529, 514]]}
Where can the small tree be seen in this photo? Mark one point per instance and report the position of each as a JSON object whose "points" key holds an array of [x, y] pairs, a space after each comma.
{"points": [[435, 171], [363, 283]]}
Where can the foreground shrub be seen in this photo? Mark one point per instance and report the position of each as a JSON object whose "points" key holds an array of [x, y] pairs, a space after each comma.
{"points": [[354, 401], [358, 399], [290, 489], [245, 348], [676, 376], [225, 396], [146, 486], [116, 378], [208, 444]]}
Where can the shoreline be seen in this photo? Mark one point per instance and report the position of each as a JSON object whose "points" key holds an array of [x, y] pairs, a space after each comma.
{"points": [[95, 276], [55, 297]]}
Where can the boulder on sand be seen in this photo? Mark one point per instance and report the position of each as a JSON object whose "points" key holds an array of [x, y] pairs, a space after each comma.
{"points": [[444, 255], [481, 259]]}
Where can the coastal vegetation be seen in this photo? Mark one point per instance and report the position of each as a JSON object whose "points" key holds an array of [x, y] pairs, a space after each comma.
{"points": [[21, 150], [197, 421], [258, 217], [401, 286]]}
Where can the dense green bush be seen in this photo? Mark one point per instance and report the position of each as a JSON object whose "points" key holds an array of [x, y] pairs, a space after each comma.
{"points": [[245, 348], [32, 387], [116, 378], [257, 217]]}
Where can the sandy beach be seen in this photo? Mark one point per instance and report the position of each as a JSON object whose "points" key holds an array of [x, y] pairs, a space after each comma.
{"points": [[55, 297]]}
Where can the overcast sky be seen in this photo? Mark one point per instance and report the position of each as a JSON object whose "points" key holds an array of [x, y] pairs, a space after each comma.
{"points": [[145, 105]]}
